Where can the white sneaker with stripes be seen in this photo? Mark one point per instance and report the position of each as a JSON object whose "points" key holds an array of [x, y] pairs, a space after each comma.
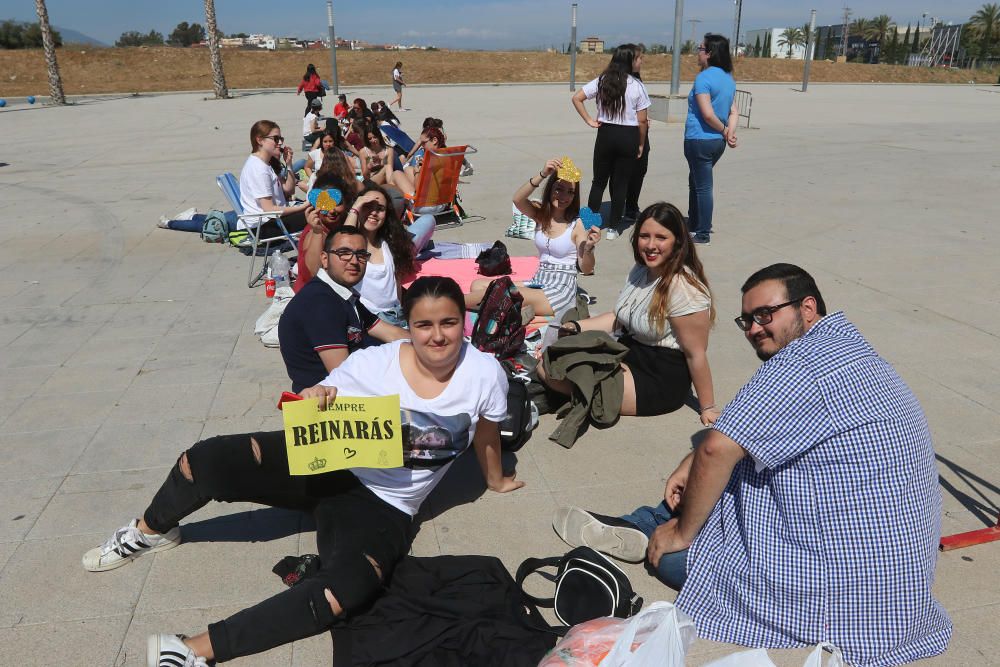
{"points": [[127, 543], [171, 651]]}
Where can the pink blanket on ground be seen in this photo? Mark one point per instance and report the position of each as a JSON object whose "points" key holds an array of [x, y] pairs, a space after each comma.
{"points": [[464, 271]]}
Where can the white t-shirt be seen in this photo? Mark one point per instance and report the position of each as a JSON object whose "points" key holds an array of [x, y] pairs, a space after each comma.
{"points": [[435, 431], [258, 180], [307, 122], [378, 287], [636, 99], [396, 76], [632, 307]]}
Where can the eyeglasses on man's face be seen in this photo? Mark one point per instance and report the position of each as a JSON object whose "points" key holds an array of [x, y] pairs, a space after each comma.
{"points": [[762, 315], [345, 254]]}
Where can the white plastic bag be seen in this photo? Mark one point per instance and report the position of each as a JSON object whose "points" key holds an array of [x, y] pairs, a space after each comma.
{"points": [[266, 327], [663, 634], [756, 657], [815, 658]]}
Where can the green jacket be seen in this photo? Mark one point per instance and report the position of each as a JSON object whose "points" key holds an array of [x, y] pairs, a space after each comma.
{"points": [[591, 361]]}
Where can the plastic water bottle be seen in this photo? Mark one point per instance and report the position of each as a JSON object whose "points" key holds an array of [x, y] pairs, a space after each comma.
{"points": [[279, 270], [612, 234]]}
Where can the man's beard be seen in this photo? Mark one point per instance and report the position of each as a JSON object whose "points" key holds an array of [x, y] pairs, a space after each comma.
{"points": [[794, 331]]}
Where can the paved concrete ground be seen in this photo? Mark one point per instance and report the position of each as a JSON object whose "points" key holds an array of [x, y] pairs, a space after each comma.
{"points": [[121, 344]]}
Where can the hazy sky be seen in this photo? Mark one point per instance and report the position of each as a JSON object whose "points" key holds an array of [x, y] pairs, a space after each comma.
{"points": [[483, 24]]}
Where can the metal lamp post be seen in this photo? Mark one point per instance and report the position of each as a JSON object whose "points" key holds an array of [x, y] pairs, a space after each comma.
{"points": [[333, 47], [675, 57], [572, 49]]}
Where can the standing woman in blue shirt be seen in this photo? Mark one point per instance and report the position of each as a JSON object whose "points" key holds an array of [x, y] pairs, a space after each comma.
{"points": [[711, 126], [621, 128]]}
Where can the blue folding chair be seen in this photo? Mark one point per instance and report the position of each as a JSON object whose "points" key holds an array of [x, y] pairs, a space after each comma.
{"points": [[397, 137], [252, 222]]}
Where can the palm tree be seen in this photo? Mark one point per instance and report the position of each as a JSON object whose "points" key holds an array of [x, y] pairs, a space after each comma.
{"points": [[878, 28], [215, 53], [56, 94], [985, 24], [859, 27], [791, 37]]}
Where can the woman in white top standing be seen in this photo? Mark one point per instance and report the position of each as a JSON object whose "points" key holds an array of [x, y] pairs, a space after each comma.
{"points": [[397, 85], [392, 254], [621, 128], [664, 314], [266, 184], [564, 245]]}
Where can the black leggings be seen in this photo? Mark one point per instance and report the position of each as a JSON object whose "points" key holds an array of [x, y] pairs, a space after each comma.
{"points": [[635, 183], [352, 525], [615, 152], [294, 222]]}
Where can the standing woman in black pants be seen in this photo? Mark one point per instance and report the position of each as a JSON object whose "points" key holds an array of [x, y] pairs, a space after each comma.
{"points": [[621, 128]]}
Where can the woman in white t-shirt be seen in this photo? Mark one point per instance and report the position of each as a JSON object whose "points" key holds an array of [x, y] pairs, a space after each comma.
{"points": [[663, 314], [391, 250], [266, 183], [451, 395], [621, 128]]}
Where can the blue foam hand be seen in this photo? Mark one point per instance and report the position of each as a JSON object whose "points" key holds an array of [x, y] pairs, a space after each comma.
{"points": [[589, 218]]}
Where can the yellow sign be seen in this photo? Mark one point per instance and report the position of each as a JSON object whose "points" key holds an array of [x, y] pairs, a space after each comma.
{"points": [[351, 433]]}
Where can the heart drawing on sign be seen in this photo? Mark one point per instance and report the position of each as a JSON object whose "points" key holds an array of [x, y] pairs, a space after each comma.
{"points": [[348, 452]]}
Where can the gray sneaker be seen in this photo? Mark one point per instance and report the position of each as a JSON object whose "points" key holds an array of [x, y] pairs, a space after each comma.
{"points": [[610, 535], [126, 544]]}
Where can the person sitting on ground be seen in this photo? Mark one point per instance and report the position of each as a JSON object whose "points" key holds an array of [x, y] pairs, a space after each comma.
{"points": [[383, 114], [392, 253], [360, 111], [811, 512], [347, 164], [363, 516], [313, 237], [265, 184], [376, 155], [341, 108], [325, 321], [564, 245], [312, 129], [664, 314]]}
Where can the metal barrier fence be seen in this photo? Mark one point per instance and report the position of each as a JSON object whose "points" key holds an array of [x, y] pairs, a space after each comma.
{"points": [[744, 103]]}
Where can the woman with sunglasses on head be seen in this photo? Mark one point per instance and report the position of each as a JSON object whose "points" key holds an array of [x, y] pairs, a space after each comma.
{"points": [[711, 126], [452, 398], [266, 183], [392, 253], [621, 128], [340, 196], [663, 316], [564, 245]]}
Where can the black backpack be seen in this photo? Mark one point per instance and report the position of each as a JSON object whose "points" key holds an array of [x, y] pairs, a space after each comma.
{"points": [[515, 429], [588, 586], [494, 261]]}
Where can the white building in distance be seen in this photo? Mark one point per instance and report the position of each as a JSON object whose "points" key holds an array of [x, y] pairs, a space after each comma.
{"points": [[750, 40]]}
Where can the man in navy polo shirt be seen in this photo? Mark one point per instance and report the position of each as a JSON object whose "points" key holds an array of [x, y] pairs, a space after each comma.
{"points": [[326, 321]]}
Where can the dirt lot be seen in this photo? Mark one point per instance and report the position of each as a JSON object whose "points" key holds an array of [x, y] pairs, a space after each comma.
{"points": [[160, 69]]}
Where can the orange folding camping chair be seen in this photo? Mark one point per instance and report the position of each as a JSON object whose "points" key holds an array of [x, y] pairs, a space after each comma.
{"points": [[437, 186]]}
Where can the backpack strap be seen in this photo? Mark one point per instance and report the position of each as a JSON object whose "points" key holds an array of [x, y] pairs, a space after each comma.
{"points": [[533, 566]]}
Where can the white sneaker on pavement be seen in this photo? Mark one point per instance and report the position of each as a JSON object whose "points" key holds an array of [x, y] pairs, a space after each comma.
{"points": [[127, 543], [171, 651]]}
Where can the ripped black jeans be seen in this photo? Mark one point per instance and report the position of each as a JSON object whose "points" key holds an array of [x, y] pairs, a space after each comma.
{"points": [[352, 525]]}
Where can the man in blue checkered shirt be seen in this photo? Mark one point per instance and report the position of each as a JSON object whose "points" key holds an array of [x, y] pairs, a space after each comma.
{"points": [[811, 512]]}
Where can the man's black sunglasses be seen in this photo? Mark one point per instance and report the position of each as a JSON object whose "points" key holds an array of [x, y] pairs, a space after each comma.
{"points": [[762, 315]]}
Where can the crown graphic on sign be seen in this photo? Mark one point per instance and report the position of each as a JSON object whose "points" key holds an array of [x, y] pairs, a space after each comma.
{"points": [[317, 464], [568, 171], [325, 200]]}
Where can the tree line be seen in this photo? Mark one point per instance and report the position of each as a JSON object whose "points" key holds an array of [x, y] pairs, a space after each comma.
{"points": [[18, 35], [980, 38], [184, 34]]}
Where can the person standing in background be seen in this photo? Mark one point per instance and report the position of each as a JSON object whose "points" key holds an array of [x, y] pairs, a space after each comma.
{"points": [[311, 85], [397, 85], [706, 134], [639, 172], [621, 129]]}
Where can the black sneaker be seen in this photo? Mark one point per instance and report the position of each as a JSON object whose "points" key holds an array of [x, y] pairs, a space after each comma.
{"points": [[608, 534], [701, 237]]}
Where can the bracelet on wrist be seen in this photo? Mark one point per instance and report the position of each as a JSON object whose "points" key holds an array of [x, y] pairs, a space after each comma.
{"points": [[541, 175], [532, 183], [707, 408], [355, 211]]}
